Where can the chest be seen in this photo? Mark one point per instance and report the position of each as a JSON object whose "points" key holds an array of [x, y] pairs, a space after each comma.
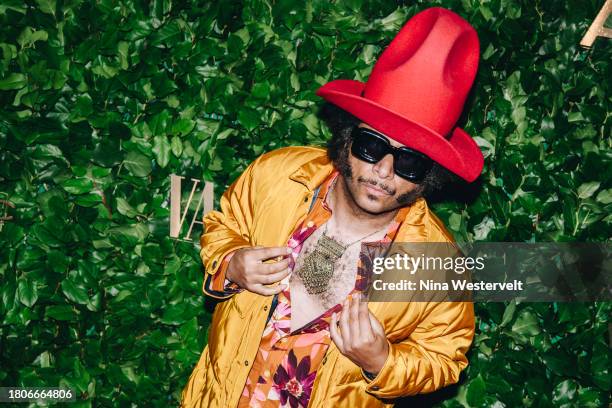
{"points": [[306, 306]]}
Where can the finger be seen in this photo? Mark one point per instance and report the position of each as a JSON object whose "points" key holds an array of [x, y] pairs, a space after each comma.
{"points": [[271, 252], [267, 269], [354, 317], [267, 290], [251, 253], [334, 332], [274, 277], [344, 324], [365, 327], [376, 325]]}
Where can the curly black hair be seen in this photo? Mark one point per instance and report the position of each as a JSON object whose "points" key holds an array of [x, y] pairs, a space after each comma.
{"points": [[341, 124]]}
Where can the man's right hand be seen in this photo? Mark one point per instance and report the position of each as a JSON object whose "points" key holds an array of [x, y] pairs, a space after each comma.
{"points": [[246, 268]]}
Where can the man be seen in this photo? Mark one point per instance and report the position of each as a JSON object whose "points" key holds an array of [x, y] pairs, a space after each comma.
{"points": [[284, 249]]}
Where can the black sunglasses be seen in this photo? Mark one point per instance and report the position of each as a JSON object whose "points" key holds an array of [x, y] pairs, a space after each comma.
{"points": [[371, 147]]}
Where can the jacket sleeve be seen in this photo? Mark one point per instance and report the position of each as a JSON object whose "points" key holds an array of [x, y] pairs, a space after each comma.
{"points": [[217, 285], [226, 231], [431, 357]]}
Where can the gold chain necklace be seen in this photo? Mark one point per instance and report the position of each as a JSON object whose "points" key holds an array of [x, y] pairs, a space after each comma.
{"points": [[318, 267]]}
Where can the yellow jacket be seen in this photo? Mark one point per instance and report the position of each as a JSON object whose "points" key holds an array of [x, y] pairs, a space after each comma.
{"points": [[428, 341]]}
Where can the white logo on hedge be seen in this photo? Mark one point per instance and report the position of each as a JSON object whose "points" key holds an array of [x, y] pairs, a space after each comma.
{"points": [[597, 28], [6, 204], [178, 213]]}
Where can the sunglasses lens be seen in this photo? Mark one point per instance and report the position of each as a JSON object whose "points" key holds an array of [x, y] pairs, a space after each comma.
{"points": [[411, 166], [368, 147], [407, 163]]}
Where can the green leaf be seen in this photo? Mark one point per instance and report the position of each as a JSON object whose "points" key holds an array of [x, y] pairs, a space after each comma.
{"points": [[564, 393], [486, 12], [58, 260], [123, 52], [589, 398], [159, 123], [15, 6], [46, 6], [454, 222], [249, 118], [508, 314], [130, 235], [60, 312], [176, 146], [77, 186], [586, 190], [13, 81], [88, 200], [605, 196], [575, 117], [183, 126], [476, 392], [125, 208], [526, 324], [166, 33], [601, 361], [77, 294], [138, 164], [161, 148], [29, 36], [261, 90], [558, 362], [175, 314], [27, 292]]}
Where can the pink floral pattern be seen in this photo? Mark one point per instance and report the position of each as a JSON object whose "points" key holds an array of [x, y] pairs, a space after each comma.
{"points": [[293, 381]]}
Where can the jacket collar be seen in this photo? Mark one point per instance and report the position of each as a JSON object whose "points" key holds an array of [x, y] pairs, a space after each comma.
{"points": [[313, 172]]}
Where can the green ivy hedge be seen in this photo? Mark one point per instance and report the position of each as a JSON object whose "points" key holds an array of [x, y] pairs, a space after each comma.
{"points": [[102, 100]]}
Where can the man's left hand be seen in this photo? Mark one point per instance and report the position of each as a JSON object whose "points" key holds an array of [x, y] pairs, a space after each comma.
{"points": [[359, 335]]}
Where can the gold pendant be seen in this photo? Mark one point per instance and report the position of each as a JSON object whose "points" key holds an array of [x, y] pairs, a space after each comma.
{"points": [[318, 267]]}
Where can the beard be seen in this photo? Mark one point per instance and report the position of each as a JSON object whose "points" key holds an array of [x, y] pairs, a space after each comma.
{"points": [[344, 168]]}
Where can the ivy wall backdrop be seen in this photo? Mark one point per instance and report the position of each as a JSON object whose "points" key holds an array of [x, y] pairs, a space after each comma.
{"points": [[102, 100]]}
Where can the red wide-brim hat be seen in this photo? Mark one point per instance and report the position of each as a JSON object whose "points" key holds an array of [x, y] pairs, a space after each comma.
{"points": [[417, 90]]}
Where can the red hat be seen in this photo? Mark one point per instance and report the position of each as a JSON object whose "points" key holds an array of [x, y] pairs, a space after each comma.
{"points": [[417, 90]]}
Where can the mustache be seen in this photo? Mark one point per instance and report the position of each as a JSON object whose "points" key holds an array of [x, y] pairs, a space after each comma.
{"points": [[374, 183]]}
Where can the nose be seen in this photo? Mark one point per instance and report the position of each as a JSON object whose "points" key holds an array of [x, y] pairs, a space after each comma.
{"points": [[384, 168]]}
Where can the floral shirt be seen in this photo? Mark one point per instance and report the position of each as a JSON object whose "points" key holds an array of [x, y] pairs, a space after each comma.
{"points": [[285, 367]]}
